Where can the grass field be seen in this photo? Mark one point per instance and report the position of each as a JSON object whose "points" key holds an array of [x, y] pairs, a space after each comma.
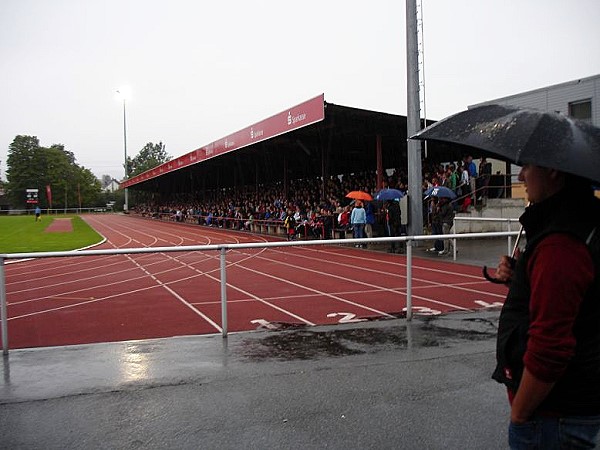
{"points": [[20, 234]]}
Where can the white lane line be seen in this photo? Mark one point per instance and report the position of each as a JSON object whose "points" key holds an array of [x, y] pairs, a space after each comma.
{"points": [[322, 293], [180, 298], [429, 283], [362, 258], [256, 298]]}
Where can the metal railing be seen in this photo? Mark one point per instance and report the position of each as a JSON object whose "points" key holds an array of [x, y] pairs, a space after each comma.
{"points": [[57, 211], [222, 249], [507, 221]]}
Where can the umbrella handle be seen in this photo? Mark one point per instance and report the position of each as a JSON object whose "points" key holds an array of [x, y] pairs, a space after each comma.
{"points": [[513, 259], [495, 280], [490, 278]]}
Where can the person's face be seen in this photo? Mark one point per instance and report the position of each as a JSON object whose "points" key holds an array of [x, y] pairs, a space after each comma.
{"points": [[540, 183]]}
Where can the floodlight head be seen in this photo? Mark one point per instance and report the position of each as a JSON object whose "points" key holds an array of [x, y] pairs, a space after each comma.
{"points": [[123, 93]]}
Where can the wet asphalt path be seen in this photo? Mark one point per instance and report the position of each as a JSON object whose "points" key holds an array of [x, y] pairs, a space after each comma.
{"points": [[388, 384]]}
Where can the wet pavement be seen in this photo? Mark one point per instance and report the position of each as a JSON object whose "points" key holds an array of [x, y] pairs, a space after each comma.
{"points": [[380, 384]]}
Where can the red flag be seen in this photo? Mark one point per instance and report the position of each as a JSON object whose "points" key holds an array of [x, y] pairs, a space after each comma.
{"points": [[49, 195]]}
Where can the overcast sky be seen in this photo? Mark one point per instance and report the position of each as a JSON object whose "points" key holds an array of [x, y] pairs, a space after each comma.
{"points": [[200, 70]]}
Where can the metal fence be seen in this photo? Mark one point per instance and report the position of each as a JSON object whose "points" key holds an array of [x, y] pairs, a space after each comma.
{"points": [[410, 241], [57, 211]]}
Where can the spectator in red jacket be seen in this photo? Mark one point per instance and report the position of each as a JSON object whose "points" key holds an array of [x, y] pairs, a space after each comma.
{"points": [[548, 350]]}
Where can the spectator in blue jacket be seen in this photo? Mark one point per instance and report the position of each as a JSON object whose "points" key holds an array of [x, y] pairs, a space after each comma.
{"points": [[358, 219]]}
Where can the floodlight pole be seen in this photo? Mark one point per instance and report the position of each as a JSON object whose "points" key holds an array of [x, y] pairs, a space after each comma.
{"points": [[126, 204], [413, 123]]}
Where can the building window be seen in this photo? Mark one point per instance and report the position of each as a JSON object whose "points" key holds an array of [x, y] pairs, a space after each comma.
{"points": [[581, 110]]}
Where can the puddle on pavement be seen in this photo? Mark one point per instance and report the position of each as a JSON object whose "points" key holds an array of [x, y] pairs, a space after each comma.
{"points": [[305, 344]]}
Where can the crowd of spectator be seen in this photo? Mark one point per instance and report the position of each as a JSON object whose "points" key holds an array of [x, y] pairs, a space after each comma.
{"points": [[313, 208]]}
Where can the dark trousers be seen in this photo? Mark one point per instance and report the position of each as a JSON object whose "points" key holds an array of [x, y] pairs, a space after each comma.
{"points": [[393, 231], [436, 228]]}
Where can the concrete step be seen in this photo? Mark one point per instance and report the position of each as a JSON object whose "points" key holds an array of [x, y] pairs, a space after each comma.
{"points": [[502, 209]]}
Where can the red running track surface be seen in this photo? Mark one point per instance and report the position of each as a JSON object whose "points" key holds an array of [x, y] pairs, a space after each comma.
{"points": [[76, 300]]}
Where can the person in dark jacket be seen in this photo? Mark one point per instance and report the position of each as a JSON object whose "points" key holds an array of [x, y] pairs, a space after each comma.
{"points": [[446, 217], [393, 218], [548, 347]]}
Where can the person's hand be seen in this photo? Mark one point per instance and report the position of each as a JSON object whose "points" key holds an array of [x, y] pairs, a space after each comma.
{"points": [[505, 269], [516, 419]]}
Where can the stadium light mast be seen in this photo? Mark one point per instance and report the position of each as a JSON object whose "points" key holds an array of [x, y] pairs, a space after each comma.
{"points": [[413, 122], [123, 94]]}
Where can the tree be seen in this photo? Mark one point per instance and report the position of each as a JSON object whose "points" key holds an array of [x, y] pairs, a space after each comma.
{"points": [[23, 164], [31, 166], [150, 156]]}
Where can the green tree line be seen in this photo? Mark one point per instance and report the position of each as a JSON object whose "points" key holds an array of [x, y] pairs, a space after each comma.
{"points": [[32, 166], [150, 156]]}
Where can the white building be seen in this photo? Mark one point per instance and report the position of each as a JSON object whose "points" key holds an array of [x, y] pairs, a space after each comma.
{"points": [[578, 98], [112, 186]]}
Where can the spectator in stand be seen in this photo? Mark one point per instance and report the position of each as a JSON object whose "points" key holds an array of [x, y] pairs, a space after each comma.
{"points": [[239, 218], [436, 225], [485, 172], [248, 223], [298, 215], [451, 177], [470, 166], [464, 187], [370, 219], [446, 216], [344, 218], [358, 219], [393, 221], [290, 225], [472, 169], [328, 222]]}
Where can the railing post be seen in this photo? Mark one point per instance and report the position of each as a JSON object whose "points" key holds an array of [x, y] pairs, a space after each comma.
{"points": [[409, 245], [454, 250], [509, 252], [3, 314], [224, 291]]}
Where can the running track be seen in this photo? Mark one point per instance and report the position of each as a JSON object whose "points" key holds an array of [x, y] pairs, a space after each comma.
{"points": [[75, 300]]}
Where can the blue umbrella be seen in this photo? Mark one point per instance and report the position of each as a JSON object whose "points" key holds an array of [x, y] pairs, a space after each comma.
{"points": [[389, 194], [440, 191]]}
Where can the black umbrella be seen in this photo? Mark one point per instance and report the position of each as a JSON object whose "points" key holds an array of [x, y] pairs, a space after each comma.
{"points": [[524, 136]]}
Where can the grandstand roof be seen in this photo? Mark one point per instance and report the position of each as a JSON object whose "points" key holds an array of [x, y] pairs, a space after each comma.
{"points": [[308, 140]]}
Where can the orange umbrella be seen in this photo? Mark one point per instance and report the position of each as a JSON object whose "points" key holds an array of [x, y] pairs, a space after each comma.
{"points": [[359, 195]]}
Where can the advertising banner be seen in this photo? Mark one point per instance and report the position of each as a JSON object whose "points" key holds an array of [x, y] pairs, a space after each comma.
{"points": [[49, 195], [302, 115]]}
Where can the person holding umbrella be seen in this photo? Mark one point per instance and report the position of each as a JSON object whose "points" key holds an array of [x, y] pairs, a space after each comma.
{"points": [[548, 345], [552, 370], [358, 219], [445, 215], [393, 222]]}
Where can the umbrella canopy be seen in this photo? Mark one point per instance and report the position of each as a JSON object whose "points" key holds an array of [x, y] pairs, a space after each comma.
{"points": [[359, 195], [389, 194], [440, 191], [524, 136]]}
